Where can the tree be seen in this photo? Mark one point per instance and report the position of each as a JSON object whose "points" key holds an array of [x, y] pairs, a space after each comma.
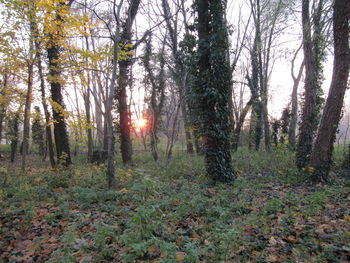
{"points": [[285, 122], [48, 122], [321, 157], [294, 101], [14, 136], [157, 93], [30, 71], [179, 69], [124, 64], [276, 125], [55, 28], [38, 130], [212, 89], [267, 16], [313, 46]]}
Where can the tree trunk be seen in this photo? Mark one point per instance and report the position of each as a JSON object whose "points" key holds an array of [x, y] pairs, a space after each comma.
{"points": [[239, 125], [179, 73], [58, 107], [14, 138], [124, 114], [109, 143], [322, 153], [311, 107], [88, 122], [2, 106], [213, 88], [28, 103], [56, 82], [45, 106], [294, 103], [98, 113], [187, 125]]}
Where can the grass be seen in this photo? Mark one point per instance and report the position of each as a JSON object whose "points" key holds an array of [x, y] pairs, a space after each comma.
{"points": [[169, 213]]}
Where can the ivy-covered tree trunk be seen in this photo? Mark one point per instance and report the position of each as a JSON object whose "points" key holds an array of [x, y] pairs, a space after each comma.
{"points": [[322, 153], [54, 48], [256, 123], [313, 55], [48, 124], [58, 108], [124, 114], [124, 64], [213, 88]]}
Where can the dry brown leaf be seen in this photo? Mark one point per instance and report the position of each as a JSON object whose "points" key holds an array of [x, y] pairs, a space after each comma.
{"points": [[180, 256], [272, 258]]}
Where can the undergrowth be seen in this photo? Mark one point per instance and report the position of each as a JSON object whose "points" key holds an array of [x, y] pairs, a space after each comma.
{"points": [[170, 213]]}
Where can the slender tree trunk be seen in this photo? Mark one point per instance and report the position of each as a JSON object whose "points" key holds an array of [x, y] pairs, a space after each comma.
{"points": [[2, 115], [312, 60], [14, 138], [171, 139], [2, 106], [157, 94], [294, 103], [256, 123], [179, 73], [28, 103], [88, 122], [109, 142], [45, 106], [322, 153], [88, 107], [187, 125], [239, 125], [98, 113]]}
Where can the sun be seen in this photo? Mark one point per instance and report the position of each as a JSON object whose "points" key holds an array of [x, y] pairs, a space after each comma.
{"points": [[140, 123]]}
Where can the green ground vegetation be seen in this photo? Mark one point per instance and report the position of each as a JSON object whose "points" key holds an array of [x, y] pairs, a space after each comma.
{"points": [[171, 213]]}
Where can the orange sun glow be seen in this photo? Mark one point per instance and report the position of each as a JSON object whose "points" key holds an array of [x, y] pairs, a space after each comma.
{"points": [[140, 123]]}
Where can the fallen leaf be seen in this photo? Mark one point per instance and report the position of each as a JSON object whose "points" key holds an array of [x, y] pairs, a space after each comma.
{"points": [[272, 258], [180, 256], [273, 241]]}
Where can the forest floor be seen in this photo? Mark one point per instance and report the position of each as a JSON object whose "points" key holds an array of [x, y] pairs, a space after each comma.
{"points": [[169, 213]]}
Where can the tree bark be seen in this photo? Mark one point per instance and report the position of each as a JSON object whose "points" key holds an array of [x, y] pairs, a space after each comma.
{"points": [[213, 89], [2, 106], [179, 72], [14, 138], [56, 82], [124, 113], [294, 102], [28, 103], [45, 106], [312, 60], [157, 97], [322, 153], [239, 125]]}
